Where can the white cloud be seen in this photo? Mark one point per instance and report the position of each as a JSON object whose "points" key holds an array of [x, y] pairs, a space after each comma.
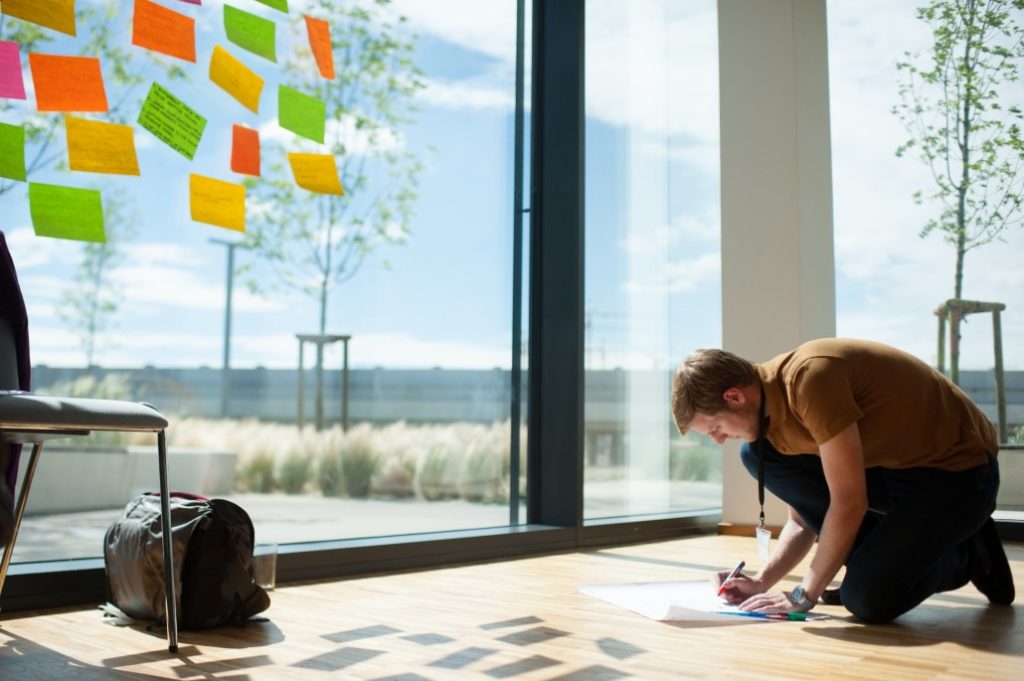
{"points": [[29, 251], [152, 287], [679, 276], [337, 131], [466, 95], [486, 27]]}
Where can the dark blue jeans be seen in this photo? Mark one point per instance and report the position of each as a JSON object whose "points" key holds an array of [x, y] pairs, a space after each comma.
{"points": [[915, 538]]}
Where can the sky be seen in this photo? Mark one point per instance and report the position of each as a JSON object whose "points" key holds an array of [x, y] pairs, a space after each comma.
{"points": [[443, 298]]}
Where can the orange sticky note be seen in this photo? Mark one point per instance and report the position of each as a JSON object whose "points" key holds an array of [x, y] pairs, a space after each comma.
{"points": [[67, 83], [245, 150], [98, 147], [320, 42], [316, 172], [216, 202], [157, 28], [56, 14], [235, 78]]}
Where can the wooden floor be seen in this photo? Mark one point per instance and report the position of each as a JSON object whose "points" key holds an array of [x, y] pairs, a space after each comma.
{"points": [[526, 620]]}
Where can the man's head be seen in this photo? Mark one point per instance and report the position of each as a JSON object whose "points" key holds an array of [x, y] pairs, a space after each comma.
{"points": [[717, 394]]}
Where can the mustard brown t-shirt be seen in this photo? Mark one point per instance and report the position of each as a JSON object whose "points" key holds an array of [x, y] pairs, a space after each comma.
{"points": [[909, 414]]}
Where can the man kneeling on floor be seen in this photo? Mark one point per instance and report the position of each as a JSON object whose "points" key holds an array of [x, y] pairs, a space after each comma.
{"points": [[881, 459]]}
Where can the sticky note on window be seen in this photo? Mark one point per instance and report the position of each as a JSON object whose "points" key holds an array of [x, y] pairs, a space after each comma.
{"points": [[216, 202], [66, 212], [245, 150], [250, 32], [172, 121], [56, 14], [235, 78], [280, 5], [319, 32], [12, 86], [67, 83], [12, 152], [316, 172], [98, 147], [157, 28], [301, 113]]}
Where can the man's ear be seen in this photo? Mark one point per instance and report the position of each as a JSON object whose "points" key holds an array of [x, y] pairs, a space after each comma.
{"points": [[734, 397]]}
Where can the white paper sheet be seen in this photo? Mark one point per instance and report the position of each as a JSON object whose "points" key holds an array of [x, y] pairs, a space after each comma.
{"points": [[668, 601], [690, 601]]}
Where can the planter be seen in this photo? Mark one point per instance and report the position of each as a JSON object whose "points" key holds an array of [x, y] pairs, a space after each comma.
{"points": [[71, 479]]}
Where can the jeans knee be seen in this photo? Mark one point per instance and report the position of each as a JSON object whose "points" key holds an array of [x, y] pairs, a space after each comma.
{"points": [[868, 605]]}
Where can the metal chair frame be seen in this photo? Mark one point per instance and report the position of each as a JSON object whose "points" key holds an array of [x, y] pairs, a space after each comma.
{"points": [[20, 422]]}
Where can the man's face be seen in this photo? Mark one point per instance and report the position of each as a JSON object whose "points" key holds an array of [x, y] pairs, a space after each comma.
{"points": [[738, 421]]}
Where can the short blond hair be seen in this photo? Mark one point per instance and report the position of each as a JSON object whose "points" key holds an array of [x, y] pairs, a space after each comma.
{"points": [[701, 380]]}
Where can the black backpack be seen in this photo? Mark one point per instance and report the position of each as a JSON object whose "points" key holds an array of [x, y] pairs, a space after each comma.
{"points": [[211, 542]]}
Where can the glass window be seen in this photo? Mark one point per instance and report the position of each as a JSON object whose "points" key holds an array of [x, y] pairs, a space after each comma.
{"points": [[652, 250], [395, 298], [891, 279]]}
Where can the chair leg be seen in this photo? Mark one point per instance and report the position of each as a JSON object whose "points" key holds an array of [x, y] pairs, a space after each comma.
{"points": [[171, 607], [19, 511]]}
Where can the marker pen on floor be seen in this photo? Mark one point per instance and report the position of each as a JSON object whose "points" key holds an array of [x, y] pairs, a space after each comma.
{"points": [[735, 571], [791, 616]]}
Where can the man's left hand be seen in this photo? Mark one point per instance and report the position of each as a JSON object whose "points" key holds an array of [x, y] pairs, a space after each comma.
{"points": [[770, 602]]}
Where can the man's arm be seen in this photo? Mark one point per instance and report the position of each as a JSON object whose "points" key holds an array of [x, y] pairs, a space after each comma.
{"points": [[795, 540], [842, 459]]}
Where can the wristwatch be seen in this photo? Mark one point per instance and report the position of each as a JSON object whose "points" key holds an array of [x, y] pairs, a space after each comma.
{"points": [[798, 597]]}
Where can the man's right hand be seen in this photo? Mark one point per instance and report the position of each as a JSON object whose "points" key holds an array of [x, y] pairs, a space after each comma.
{"points": [[738, 589]]}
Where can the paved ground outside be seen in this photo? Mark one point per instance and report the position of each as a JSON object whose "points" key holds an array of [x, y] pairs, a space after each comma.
{"points": [[284, 519]]}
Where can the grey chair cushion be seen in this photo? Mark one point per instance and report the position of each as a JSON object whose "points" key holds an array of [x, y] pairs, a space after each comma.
{"points": [[22, 411]]}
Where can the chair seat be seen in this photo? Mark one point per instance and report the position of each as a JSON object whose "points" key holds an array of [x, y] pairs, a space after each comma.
{"points": [[24, 412]]}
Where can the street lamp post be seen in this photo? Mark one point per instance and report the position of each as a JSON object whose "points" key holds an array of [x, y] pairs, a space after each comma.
{"points": [[226, 366]]}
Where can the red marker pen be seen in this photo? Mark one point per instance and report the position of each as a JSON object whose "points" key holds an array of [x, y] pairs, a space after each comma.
{"points": [[735, 571]]}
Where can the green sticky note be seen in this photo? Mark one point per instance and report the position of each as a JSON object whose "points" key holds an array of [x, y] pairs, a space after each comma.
{"points": [[12, 152], [172, 121], [66, 212], [301, 113], [281, 5], [250, 32]]}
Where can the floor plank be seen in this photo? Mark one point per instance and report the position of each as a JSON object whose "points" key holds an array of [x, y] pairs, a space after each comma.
{"points": [[526, 620]]}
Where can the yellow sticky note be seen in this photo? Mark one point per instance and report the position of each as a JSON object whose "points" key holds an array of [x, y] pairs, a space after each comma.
{"points": [[216, 202], [98, 147], [56, 14], [235, 78], [316, 172]]}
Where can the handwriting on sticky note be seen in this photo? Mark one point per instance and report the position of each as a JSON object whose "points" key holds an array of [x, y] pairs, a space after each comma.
{"points": [[250, 32], [245, 150], [56, 14], [172, 121], [157, 28], [12, 86], [316, 172], [319, 32], [301, 113], [216, 202], [98, 147], [67, 83], [66, 212], [236, 78], [12, 152]]}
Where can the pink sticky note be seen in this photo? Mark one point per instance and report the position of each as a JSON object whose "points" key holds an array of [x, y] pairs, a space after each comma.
{"points": [[11, 84], [194, 2]]}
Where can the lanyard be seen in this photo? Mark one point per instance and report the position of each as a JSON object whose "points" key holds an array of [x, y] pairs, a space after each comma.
{"points": [[762, 431]]}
